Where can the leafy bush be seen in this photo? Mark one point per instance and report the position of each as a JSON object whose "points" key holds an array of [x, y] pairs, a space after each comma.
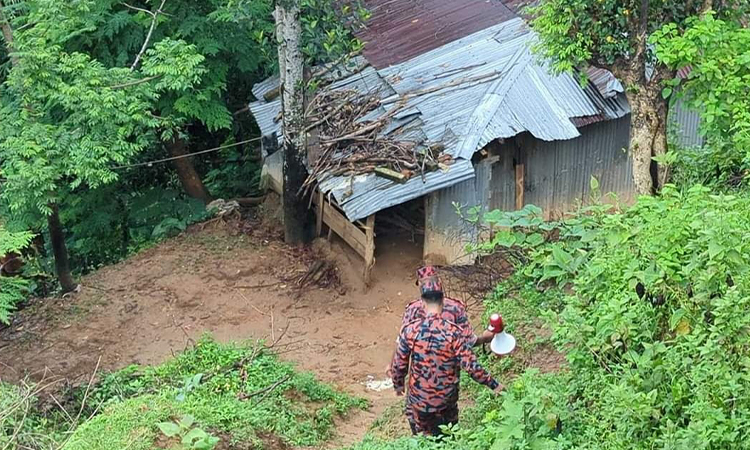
{"points": [[108, 223], [650, 307], [716, 51], [656, 333], [234, 177]]}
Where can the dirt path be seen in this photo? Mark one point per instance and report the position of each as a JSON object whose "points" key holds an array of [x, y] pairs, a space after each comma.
{"points": [[155, 303]]}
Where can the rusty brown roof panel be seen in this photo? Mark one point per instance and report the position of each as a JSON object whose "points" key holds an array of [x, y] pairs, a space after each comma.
{"points": [[399, 30]]}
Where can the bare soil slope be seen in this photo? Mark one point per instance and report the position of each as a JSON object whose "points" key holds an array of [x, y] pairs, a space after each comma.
{"points": [[236, 286]]}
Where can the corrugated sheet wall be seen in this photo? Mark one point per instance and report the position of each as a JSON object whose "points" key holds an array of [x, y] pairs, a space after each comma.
{"points": [[502, 191], [687, 123], [558, 174], [557, 178], [446, 234]]}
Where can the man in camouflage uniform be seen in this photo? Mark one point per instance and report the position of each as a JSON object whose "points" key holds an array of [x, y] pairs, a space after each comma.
{"points": [[453, 310], [433, 349]]}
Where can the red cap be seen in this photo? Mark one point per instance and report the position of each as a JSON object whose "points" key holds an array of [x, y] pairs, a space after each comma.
{"points": [[428, 280]]}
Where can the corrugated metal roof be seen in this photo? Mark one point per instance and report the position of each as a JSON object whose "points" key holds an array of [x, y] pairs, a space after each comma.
{"points": [[363, 195], [267, 85], [399, 30], [465, 94], [488, 86], [265, 116], [366, 81], [612, 108]]}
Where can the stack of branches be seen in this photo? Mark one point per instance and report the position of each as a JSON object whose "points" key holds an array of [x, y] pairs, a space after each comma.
{"points": [[473, 283], [351, 146]]}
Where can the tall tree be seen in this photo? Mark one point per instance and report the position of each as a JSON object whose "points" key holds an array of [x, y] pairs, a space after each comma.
{"points": [[67, 119], [235, 55], [57, 235], [297, 216], [614, 34]]}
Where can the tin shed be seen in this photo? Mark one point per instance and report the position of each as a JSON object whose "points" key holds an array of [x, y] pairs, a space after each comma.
{"points": [[511, 132]]}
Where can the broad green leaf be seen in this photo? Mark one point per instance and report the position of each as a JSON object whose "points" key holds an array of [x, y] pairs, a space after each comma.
{"points": [[193, 435], [493, 217], [714, 249], [534, 239], [207, 443], [505, 239], [169, 429], [616, 238], [187, 421], [589, 236], [540, 443], [562, 258], [675, 318]]}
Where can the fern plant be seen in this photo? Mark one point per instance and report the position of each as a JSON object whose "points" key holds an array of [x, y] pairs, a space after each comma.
{"points": [[12, 290]]}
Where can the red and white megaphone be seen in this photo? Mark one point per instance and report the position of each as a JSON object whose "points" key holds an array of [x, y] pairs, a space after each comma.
{"points": [[503, 343]]}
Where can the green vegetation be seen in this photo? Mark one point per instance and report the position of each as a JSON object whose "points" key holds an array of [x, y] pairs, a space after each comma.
{"points": [[92, 91], [12, 290], [615, 35], [648, 305], [239, 394], [717, 51]]}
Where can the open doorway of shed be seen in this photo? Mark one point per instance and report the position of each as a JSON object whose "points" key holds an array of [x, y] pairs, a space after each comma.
{"points": [[399, 240]]}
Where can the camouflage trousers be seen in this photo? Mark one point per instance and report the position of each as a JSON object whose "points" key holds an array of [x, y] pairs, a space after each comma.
{"points": [[429, 423]]}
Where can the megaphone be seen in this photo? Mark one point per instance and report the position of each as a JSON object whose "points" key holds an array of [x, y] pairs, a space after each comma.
{"points": [[503, 343]]}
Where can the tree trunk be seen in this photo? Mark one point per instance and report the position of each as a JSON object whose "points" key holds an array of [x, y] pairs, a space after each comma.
{"points": [[7, 35], [648, 138], [186, 172], [297, 216], [60, 250]]}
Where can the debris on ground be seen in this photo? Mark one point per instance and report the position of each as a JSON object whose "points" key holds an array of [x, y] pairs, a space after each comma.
{"points": [[378, 385], [473, 283]]}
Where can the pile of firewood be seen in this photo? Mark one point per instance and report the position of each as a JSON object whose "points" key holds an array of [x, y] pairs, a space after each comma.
{"points": [[348, 146]]}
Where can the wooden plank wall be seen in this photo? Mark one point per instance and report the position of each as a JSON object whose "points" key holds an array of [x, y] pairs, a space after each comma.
{"points": [[360, 237]]}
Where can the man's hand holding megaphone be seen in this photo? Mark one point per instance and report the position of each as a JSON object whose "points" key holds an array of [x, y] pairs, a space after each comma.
{"points": [[502, 343]]}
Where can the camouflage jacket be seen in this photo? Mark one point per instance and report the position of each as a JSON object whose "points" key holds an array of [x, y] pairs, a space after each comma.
{"points": [[433, 351], [453, 311]]}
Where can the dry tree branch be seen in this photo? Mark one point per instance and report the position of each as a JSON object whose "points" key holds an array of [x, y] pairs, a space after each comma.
{"points": [[266, 391], [154, 18], [88, 389]]}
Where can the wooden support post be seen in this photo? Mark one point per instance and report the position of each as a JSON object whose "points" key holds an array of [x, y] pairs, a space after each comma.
{"points": [[369, 248], [520, 172], [321, 205]]}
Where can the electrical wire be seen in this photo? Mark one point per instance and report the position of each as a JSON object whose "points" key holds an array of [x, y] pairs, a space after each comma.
{"points": [[188, 155]]}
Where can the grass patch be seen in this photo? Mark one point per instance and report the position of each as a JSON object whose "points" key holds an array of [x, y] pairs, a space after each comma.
{"points": [[241, 393]]}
